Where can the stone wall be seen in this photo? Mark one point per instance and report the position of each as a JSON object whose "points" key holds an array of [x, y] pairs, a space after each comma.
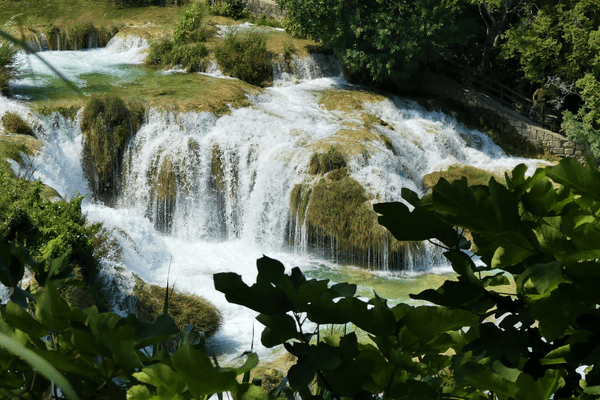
{"points": [[502, 119], [264, 7]]}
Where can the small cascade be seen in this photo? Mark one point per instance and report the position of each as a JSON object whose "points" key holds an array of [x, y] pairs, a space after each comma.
{"points": [[294, 69], [76, 37]]}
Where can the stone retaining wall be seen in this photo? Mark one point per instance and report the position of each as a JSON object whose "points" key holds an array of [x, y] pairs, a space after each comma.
{"points": [[502, 119], [264, 7]]}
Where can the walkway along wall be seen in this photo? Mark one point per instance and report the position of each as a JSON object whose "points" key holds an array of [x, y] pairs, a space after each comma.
{"points": [[502, 119]]}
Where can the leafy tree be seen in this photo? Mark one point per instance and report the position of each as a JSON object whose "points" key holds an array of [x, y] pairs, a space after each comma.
{"points": [[558, 44], [386, 40], [496, 15]]}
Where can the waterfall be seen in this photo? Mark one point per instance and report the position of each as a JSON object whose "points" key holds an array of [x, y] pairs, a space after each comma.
{"points": [[205, 193]]}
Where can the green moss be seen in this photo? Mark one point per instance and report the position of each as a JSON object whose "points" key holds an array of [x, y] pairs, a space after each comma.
{"points": [[321, 163], [185, 308], [107, 124], [338, 215], [66, 111], [15, 124], [164, 180], [387, 142], [299, 198], [75, 35], [218, 171]]}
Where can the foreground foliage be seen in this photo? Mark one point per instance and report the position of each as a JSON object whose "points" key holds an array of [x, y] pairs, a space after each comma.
{"points": [[48, 229], [44, 340], [487, 338], [521, 321]]}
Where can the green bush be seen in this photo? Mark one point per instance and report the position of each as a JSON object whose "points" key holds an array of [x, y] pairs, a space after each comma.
{"points": [[192, 57], [159, 52], [229, 8], [186, 47], [190, 23], [48, 229], [243, 54]]}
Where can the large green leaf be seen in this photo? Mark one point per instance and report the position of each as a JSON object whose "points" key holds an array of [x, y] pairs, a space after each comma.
{"points": [[201, 377], [18, 318], [39, 364], [426, 322], [419, 224], [582, 180]]}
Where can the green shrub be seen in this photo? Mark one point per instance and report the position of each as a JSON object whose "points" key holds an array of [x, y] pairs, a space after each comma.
{"points": [[192, 57], [185, 308], [47, 229], [243, 54], [15, 124], [229, 8], [160, 52], [191, 23]]}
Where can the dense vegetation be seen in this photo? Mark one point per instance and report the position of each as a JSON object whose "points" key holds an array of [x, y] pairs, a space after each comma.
{"points": [[523, 44]]}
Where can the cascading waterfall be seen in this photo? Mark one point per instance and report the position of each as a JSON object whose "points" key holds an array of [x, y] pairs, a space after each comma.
{"points": [[205, 193]]}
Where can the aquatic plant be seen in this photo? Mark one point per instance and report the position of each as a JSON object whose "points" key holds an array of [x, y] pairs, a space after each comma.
{"points": [[243, 54], [107, 123]]}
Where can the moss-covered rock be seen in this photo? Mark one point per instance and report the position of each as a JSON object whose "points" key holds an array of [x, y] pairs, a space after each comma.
{"points": [[473, 175], [224, 182], [107, 124], [16, 125], [185, 308], [164, 181], [338, 214]]}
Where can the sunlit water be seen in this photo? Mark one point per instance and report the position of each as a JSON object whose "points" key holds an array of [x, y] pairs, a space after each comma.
{"points": [[272, 142]]}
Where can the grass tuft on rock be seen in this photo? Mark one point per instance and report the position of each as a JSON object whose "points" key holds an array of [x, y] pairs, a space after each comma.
{"points": [[16, 125], [321, 163], [185, 308]]}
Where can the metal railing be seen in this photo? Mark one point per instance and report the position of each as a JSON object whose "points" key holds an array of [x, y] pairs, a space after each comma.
{"points": [[507, 97]]}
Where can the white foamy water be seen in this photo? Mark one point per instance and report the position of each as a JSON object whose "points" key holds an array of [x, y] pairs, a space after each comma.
{"points": [[263, 151], [112, 60]]}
